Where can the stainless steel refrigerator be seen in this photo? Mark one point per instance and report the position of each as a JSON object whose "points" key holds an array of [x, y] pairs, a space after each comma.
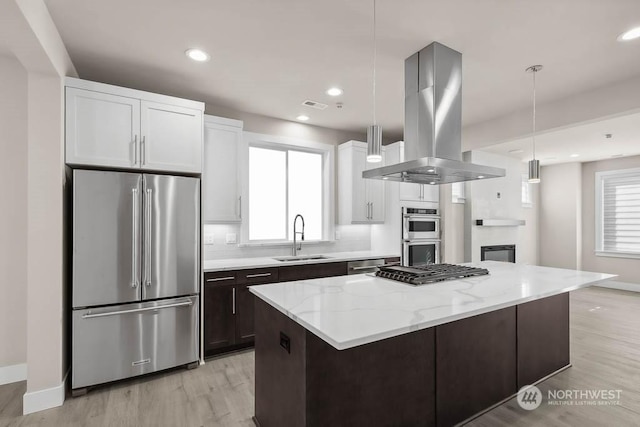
{"points": [[135, 273]]}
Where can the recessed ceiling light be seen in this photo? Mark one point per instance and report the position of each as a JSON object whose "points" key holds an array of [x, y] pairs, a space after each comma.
{"points": [[302, 118], [431, 170], [633, 33], [432, 183], [519, 150], [198, 55], [480, 176], [575, 155], [385, 177], [334, 91]]}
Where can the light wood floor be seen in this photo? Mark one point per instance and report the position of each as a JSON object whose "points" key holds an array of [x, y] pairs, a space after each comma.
{"points": [[605, 352]]}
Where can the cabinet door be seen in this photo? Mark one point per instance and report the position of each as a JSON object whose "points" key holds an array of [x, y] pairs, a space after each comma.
{"points": [[375, 191], [411, 192], [220, 183], [101, 129], [431, 193], [361, 211], [171, 138], [244, 315], [219, 320]]}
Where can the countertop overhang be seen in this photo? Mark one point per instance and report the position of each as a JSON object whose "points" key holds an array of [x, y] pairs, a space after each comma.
{"points": [[348, 311], [262, 262]]}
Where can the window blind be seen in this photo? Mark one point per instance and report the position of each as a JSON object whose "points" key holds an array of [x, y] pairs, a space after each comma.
{"points": [[620, 208]]}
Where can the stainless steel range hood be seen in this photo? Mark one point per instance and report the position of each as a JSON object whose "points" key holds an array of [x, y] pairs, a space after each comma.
{"points": [[433, 123]]}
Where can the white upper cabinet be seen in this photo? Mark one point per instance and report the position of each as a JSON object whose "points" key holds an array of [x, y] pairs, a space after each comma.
{"points": [[171, 137], [111, 126], [361, 201], [102, 129], [221, 200], [414, 192]]}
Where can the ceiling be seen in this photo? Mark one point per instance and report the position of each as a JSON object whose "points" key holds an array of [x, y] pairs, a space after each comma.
{"points": [[588, 141], [269, 56]]}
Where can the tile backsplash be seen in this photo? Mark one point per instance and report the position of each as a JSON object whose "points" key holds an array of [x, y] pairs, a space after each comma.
{"points": [[352, 238]]}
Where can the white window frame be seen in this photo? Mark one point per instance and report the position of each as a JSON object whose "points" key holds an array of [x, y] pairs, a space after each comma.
{"points": [[251, 139], [599, 214]]}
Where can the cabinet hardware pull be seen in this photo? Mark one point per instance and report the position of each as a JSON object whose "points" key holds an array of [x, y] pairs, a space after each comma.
{"points": [[240, 207], [143, 146], [234, 301], [364, 268], [251, 276], [219, 279], [135, 150]]}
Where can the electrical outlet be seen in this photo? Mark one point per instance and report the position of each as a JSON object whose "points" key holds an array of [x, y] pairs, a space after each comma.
{"points": [[231, 238], [208, 239]]}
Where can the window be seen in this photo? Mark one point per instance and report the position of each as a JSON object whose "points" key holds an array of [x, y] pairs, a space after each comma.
{"points": [[527, 197], [618, 213], [284, 182], [457, 192]]}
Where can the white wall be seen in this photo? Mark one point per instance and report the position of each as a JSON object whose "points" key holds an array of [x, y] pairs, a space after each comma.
{"points": [[628, 269], [13, 214], [452, 227], [31, 36], [560, 215]]}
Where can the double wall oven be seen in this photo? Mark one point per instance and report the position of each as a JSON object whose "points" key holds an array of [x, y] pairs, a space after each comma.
{"points": [[420, 236]]}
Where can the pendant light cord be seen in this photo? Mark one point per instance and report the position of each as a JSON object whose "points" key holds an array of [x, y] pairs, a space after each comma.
{"points": [[534, 113], [374, 61]]}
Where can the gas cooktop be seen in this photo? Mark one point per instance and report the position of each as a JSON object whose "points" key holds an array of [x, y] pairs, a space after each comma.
{"points": [[431, 273]]}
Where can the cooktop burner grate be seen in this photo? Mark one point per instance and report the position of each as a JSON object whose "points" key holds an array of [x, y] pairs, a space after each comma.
{"points": [[431, 273]]}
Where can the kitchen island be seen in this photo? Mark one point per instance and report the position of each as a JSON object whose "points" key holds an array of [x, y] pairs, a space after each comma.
{"points": [[362, 350]]}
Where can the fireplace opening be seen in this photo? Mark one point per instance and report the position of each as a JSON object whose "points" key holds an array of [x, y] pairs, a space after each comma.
{"points": [[504, 253]]}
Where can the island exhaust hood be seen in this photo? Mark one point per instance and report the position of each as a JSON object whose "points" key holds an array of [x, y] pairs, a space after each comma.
{"points": [[433, 123]]}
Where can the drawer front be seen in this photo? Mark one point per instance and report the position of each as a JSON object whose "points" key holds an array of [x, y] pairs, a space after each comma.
{"points": [[257, 276], [220, 278], [112, 343], [312, 271]]}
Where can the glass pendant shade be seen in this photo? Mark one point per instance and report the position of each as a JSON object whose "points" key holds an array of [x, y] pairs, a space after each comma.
{"points": [[534, 171], [374, 144]]}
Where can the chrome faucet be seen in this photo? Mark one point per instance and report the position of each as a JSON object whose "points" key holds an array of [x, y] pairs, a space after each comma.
{"points": [[295, 248]]}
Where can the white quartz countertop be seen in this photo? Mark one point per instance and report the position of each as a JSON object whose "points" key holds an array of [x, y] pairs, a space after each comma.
{"points": [[261, 262], [347, 311]]}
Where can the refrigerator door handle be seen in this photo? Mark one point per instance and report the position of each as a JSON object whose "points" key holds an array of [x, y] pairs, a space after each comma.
{"points": [[90, 315], [147, 237], [135, 220]]}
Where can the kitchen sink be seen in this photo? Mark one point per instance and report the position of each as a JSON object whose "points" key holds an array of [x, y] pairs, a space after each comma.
{"points": [[300, 258]]}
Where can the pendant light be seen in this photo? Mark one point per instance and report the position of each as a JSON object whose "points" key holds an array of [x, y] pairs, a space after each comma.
{"points": [[374, 132], [534, 164]]}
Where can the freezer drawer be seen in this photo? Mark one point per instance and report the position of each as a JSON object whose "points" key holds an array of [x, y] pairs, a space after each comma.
{"points": [[112, 343]]}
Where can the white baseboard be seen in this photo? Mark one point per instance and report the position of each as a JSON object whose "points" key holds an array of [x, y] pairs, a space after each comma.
{"points": [[13, 373], [623, 286], [40, 400]]}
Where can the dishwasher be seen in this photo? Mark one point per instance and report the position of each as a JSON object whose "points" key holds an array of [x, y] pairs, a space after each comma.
{"points": [[365, 266]]}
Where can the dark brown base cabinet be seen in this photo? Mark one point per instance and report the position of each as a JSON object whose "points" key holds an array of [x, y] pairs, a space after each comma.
{"points": [[229, 305], [437, 376], [228, 308]]}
